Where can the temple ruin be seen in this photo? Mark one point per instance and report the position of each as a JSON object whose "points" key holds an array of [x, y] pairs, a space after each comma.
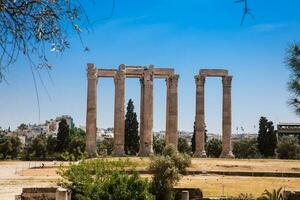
{"points": [[146, 76], [200, 112]]}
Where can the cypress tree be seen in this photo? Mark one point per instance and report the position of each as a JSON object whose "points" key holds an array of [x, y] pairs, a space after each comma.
{"points": [[62, 136], [131, 130], [266, 139]]}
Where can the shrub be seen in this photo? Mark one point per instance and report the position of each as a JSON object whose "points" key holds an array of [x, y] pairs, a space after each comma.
{"points": [[245, 148], [105, 147], [183, 146], [288, 148], [102, 179], [166, 171], [213, 148], [158, 145]]}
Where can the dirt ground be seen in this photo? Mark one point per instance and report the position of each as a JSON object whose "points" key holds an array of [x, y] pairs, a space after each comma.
{"points": [[14, 175]]}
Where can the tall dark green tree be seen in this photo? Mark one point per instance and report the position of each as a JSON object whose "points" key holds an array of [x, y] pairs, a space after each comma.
{"points": [[131, 130], [63, 136], [293, 63], [267, 140]]}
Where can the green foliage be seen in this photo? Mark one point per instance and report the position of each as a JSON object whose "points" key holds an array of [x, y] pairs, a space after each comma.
{"points": [[183, 146], [166, 171], [76, 145], [194, 138], [38, 147], [105, 147], [99, 179], [288, 148], [131, 130], [22, 127], [293, 63], [30, 28], [158, 145], [267, 140], [213, 148], [10, 146], [273, 195], [63, 136], [245, 148], [51, 145]]}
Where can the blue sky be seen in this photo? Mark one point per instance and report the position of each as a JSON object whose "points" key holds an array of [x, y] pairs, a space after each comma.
{"points": [[185, 35]]}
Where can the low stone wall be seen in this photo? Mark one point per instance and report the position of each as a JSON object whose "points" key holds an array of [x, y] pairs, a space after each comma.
{"points": [[44, 193]]}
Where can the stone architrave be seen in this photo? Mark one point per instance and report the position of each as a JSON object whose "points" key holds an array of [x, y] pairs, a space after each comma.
{"points": [[226, 122], [119, 115], [172, 110], [200, 117], [91, 115]]}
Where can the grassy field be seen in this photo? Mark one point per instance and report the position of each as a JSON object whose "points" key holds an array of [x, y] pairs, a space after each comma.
{"points": [[17, 174]]}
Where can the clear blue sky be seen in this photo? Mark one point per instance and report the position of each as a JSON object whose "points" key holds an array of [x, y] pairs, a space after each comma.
{"points": [[185, 35]]}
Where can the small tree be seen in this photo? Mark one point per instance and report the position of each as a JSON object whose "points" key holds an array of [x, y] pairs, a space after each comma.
{"points": [[131, 130], [166, 171], [183, 146], [16, 146], [213, 148], [105, 147], [267, 140], [245, 148], [38, 147], [158, 144], [62, 136], [288, 148], [5, 146]]}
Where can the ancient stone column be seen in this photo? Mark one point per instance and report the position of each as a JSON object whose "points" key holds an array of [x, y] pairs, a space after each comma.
{"points": [[172, 110], [119, 115], [200, 118], [226, 122], [141, 149], [91, 115], [146, 139]]}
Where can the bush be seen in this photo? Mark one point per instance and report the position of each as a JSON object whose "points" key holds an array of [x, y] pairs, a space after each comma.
{"points": [[158, 145], [102, 179], [166, 171], [245, 148], [288, 148], [183, 146], [214, 148], [105, 147]]}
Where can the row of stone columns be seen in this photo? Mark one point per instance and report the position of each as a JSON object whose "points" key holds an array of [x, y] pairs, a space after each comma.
{"points": [[146, 111], [200, 117]]}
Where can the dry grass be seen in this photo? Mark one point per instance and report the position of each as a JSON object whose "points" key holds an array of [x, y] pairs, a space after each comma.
{"points": [[234, 185]]}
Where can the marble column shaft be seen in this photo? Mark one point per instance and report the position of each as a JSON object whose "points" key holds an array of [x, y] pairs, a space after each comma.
{"points": [[200, 117], [172, 110], [146, 139], [91, 117], [226, 122], [119, 113]]}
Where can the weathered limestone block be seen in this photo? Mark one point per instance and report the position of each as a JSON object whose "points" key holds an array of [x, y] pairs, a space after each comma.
{"points": [[119, 116], [200, 117], [146, 139], [226, 122], [91, 116], [172, 110]]}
